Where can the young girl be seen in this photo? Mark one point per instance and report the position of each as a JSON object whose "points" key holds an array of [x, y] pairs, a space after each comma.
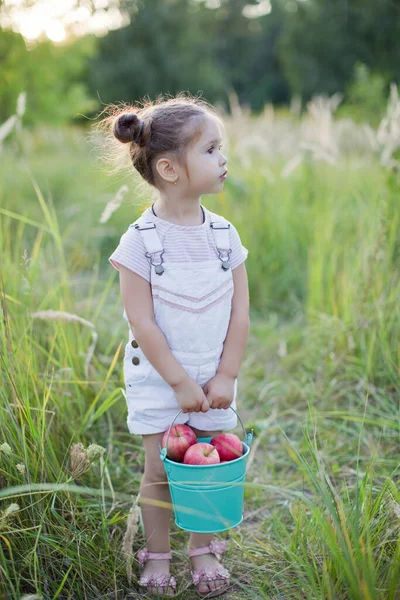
{"points": [[185, 295]]}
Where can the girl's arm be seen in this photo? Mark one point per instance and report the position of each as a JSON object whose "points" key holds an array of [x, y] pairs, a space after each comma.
{"points": [[239, 325], [138, 304]]}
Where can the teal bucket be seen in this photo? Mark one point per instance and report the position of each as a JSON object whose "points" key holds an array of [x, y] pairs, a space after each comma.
{"points": [[207, 498]]}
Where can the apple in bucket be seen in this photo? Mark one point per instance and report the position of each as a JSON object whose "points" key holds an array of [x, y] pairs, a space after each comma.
{"points": [[228, 445], [201, 453], [181, 437]]}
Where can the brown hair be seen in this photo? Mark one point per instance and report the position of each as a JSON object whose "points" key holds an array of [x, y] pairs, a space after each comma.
{"points": [[153, 129]]}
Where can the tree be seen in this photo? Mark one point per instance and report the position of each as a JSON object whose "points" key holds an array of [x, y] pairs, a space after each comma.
{"points": [[246, 50], [167, 47], [323, 40], [53, 78]]}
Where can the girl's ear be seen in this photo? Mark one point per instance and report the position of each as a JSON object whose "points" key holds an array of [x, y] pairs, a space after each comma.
{"points": [[166, 170]]}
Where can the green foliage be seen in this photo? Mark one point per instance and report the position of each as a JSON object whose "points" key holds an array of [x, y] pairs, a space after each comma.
{"points": [[297, 49], [12, 72], [366, 96], [175, 45], [323, 40], [166, 48], [53, 77], [247, 52]]}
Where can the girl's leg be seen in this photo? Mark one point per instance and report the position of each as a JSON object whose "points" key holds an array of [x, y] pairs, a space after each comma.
{"points": [[155, 503], [199, 540]]}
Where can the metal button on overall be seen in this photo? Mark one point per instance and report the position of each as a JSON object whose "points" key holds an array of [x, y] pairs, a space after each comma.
{"points": [[134, 344], [135, 360]]}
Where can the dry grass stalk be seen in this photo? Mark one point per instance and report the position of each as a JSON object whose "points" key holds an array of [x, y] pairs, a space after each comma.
{"points": [[388, 134], [7, 127], [15, 120], [322, 141], [21, 104], [132, 525], [113, 204], [81, 459], [8, 514], [5, 448], [54, 315]]}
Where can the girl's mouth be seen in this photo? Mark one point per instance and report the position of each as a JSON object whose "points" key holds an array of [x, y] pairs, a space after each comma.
{"points": [[224, 175]]}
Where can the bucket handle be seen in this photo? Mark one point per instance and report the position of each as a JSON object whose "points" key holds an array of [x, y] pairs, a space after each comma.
{"points": [[163, 451]]}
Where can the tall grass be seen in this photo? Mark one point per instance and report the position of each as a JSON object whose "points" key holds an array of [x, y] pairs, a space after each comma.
{"points": [[315, 202]]}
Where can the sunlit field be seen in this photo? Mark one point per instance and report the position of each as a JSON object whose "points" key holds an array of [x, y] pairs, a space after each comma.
{"points": [[315, 198]]}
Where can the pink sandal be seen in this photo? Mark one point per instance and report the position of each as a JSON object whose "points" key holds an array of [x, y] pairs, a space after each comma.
{"points": [[203, 575], [156, 579]]}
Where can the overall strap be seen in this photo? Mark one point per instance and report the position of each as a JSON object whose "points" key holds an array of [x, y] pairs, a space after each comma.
{"points": [[220, 228], [151, 240]]}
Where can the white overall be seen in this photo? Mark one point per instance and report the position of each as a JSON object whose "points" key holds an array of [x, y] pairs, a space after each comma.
{"points": [[192, 307]]}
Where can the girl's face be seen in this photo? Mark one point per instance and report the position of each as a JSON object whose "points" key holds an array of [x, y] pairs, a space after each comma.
{"points": [[205, 161]]}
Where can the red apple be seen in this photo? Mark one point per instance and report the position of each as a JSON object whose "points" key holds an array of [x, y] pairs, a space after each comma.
{"points": [[180, 438], [201, 454], [228, 445]]}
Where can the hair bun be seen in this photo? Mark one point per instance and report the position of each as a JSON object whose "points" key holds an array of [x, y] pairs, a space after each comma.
{"points": [[127, 127]]}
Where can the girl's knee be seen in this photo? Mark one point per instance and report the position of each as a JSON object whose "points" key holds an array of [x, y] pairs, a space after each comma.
{"points": [[154, 468], [155, 473]]}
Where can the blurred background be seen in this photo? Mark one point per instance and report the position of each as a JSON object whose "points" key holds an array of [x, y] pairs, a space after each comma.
{"points": [[309, 93], [69, 55]]}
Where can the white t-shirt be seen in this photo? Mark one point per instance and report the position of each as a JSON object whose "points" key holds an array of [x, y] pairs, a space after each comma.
{"points": [[191, 243]]}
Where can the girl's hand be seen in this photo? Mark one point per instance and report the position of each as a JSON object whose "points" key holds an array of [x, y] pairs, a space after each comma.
{"points": [[220, 391], [190, 396]]}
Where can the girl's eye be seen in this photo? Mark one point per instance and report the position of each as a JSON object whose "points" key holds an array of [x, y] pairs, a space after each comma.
{"points": [[212, 148]]}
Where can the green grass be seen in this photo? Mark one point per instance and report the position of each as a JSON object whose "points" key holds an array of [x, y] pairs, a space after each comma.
{"points": [[319, 382]]}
